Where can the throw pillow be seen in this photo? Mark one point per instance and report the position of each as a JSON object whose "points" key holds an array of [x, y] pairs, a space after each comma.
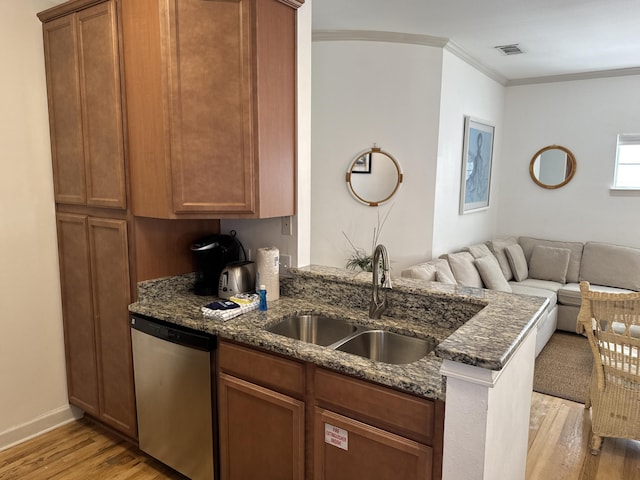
{"points": [[491, 274], [478, 251], [423, 271], [497, 247], [517, 262], [443, 272], [464, 270], [549, 263]]}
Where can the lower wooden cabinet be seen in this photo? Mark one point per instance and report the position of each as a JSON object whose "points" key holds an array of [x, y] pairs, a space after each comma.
{"points": [[261, 432], [94, 270], [345, 449], [261, 414], [284, 419]]}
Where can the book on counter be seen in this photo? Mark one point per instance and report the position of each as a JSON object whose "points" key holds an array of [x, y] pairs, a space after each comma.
{"points": [[228, 309]]}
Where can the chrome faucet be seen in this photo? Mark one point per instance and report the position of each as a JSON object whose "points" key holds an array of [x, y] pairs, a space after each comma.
{"points": [[378, 306]]}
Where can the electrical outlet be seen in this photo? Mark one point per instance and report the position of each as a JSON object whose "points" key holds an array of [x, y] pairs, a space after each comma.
{"points": [[287, 229], [285, 263]]}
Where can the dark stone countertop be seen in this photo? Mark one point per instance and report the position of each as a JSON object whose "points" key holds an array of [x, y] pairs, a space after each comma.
{"points": [[472, 326]]}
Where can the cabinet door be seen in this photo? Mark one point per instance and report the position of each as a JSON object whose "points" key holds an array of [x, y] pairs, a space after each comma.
{"points": [[261, 432], [85, 110], [211, 107], [99, 75], [79, 334], [111, 297], [212, 160], [351, 449], [65, 118]]}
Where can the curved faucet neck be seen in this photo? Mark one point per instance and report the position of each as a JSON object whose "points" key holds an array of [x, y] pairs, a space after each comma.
{"points": [[378, 305]]}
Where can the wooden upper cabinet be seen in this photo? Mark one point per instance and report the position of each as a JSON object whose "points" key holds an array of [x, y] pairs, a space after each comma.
{"points": [[211, 107], [85, 107], [65, 118]]}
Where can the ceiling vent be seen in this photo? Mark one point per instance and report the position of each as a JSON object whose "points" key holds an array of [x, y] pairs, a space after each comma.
{"points": [[513, 49]]}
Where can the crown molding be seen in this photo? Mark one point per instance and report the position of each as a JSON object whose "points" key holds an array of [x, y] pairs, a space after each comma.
{"points": [[377, 36], [407, 38], [570, 77], [455, 49]]}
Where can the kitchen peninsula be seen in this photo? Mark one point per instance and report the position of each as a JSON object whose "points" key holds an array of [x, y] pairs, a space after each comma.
{"points": [[483, 344]]}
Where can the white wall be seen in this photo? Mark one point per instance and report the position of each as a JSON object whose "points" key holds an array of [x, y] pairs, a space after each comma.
{"points": [[465, 91], [584, 116], [32, 371], [365, 93]]}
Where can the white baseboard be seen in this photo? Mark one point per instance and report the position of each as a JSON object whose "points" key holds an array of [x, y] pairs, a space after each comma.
{"points": [[39, 425]]}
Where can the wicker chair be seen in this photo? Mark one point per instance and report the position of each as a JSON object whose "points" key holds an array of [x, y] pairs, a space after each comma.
{"points": [[611, 322]]}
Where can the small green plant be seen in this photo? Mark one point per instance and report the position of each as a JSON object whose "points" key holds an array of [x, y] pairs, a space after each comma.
{"points": [[360, 258]]}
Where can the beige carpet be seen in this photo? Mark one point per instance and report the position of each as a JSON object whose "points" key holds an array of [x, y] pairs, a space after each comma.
{"points": [[563, 368]]}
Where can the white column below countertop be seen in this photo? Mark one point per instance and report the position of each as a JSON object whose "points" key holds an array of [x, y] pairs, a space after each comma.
{"points": [[487, 417]]}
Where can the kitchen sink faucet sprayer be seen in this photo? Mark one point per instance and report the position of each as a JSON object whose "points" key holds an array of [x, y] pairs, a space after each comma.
{"points": [[378, 306]]}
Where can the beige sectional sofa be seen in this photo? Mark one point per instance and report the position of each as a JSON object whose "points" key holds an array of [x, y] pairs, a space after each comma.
{"points": [[546, 268]]}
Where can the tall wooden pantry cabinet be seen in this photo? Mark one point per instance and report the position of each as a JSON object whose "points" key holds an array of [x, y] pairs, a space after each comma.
{"points": [[103, 249], [165, 116], [88, 152]]}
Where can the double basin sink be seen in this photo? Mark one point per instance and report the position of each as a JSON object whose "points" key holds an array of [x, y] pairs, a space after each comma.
{"points": [[342, 335]]}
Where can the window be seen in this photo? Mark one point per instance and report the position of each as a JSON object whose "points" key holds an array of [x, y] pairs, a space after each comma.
{"points": [[627, 174]]}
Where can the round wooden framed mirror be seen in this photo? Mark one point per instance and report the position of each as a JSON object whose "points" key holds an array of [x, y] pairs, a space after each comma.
{"points": [[374, 177], [552, 167]]}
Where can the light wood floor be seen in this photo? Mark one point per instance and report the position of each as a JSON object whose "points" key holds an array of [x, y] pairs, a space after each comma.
{"points": [[81, 450], [558, 450], [559, 435]]}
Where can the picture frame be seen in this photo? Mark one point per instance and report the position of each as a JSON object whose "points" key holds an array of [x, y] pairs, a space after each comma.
{"points": [[477, 161], [362, 164]]}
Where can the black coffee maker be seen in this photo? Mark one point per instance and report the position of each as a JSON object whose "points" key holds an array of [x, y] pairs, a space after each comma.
{"points": [[212, 254]]}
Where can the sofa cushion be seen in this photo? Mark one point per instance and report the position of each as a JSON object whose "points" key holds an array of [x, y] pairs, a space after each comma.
{"points": [[491, 274], [549, 263], [497, 247], [568, 318], [521, 289], [429, 271], [569, 294], [612, 265], [517, 262], [422, 271], [541, 284], [573, 270], [445, 275], [480, 250], [464, 270]]}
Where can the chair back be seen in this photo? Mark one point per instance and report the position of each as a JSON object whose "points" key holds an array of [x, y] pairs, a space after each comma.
{"points": [[611, 322]]}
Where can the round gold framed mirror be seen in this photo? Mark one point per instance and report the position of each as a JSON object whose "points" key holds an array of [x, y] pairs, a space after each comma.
{"points": [[552, 167], [374, 177]]}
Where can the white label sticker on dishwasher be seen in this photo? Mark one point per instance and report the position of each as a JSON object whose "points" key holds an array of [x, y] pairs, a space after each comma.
{"points": [[336, 436]]}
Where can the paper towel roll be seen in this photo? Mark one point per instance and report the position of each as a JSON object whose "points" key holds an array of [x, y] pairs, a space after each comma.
{"points": [[268, 267]]}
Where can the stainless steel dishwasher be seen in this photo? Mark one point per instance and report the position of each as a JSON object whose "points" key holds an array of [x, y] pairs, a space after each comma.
{"points": [[172, 370]]}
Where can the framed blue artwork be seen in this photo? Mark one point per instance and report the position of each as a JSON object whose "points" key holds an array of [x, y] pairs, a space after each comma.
{"points": [[477, 156]]}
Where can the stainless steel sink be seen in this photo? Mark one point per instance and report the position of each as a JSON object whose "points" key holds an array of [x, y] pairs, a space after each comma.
{"points": [[339, 334], [387, 347], [316, 329]]}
